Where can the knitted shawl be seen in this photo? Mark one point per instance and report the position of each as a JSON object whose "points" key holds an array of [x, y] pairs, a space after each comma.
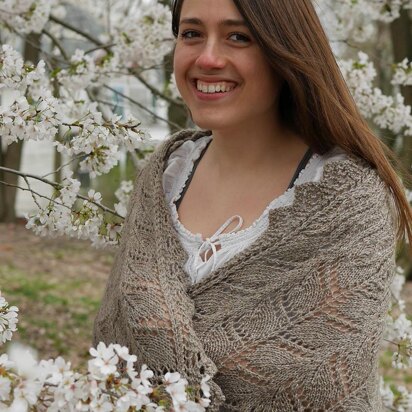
{"points": [[293, 323]]}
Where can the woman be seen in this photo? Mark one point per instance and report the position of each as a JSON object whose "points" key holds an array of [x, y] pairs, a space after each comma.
{"points": [[261, 251]]}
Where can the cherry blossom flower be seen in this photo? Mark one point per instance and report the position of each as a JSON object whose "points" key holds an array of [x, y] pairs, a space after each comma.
{"points": [[8, 322], [175, 386], [123, 195], [403, 73], [386, 111], [27, 16], [143, 37]]}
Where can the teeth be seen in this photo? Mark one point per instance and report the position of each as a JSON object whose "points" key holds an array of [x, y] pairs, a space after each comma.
{"points": [[221, 87]]}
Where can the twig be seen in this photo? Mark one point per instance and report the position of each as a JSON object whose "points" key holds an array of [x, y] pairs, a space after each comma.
{"points": [[32, 194], [143, 107], [347, 42], [58, 186], [21, 174], [76, 30], [156, 91], [56, 43], [36, 46], [103, 46], [25, 189], [389, 341], [61, 167]]}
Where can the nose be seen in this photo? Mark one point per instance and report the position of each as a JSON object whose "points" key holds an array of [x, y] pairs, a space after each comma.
{"points": [[211, 56]]}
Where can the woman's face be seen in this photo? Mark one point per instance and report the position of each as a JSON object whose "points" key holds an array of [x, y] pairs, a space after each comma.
{"points": [[221, 72]]}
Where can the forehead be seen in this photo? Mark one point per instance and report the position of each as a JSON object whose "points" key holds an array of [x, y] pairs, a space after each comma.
{"points": [[209, 10]]}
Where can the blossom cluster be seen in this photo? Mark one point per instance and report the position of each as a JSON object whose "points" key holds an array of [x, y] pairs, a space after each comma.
{"points": [[100, 140], [398, 326], [123, 195], [348, 20], [89, 133], [8, 320], [70, 214], [25, 16], [143, 36], [85, 70], [399, 332], [15, 73], [111, 383], [403, 73], [80, 72], [399, 402], [387, 112], [23, 121]]}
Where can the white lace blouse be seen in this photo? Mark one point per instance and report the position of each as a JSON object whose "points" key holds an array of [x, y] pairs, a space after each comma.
{"points": [[177, 172]]}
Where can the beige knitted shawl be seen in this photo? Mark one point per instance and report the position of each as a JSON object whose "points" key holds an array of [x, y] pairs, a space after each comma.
{"points": [[293, 323]]}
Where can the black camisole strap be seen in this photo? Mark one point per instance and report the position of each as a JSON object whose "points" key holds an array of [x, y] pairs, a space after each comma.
{"points": [[300, 167]]}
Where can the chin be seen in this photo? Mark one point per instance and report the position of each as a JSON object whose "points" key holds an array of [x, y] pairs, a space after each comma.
{"points": [[211, 122]]}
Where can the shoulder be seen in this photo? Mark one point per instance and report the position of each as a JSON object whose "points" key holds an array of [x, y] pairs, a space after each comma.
{"points": [[348, 174], [360, 196], [348, 190]]}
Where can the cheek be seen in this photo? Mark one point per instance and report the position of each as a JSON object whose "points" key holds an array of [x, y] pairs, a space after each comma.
{"points": [[265, 80]]}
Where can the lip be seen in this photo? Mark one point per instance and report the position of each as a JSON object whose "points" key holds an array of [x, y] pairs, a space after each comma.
{"points": [[212, 96]]}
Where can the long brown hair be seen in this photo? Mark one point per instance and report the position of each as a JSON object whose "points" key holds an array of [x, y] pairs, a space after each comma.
{"points": [[315, 101]]}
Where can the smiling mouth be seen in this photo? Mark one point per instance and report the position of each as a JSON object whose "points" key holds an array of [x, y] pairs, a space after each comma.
{"points": [[213, 88]]}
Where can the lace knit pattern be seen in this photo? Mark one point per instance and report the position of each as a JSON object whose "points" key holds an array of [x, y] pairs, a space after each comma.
{"points": [[293, 323]]}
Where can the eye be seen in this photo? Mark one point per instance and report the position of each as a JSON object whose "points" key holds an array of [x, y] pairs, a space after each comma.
{"points": [[239, 38], [189, 34]]}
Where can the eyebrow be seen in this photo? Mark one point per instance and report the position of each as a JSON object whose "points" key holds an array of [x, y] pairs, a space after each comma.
{"points": [[227, 22]]}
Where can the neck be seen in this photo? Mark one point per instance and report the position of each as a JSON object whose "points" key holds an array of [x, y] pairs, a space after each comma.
{"points": [[244, 149]]}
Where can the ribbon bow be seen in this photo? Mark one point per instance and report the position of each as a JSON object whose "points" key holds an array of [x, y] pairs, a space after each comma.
{"points": [[210, 243]]}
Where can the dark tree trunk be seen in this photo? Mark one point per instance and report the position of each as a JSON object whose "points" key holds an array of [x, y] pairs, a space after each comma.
{"points": [[383, 54], [11, 160], [401, 33], [11, 155]]}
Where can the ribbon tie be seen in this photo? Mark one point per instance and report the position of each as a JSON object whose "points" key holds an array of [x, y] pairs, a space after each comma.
{"points": [[210, 243]]}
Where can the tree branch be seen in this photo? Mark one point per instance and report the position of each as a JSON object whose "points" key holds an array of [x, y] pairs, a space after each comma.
{"points": [[156, 91], [58, 186], [36, 46], [142, 106], [103, 46], [75, 30], [56, 43], [61, 167], [25, 189], [31, 192]]}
